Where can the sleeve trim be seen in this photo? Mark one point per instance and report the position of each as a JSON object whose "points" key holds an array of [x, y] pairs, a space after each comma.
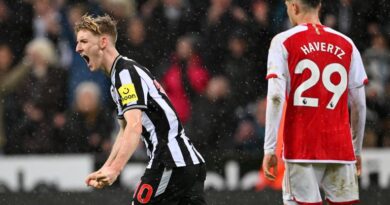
{"points": [[272, 75], [142, 107]]}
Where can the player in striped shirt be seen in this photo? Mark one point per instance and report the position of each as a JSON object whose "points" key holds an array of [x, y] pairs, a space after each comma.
{"points": [[316, 71], [176, 172]]}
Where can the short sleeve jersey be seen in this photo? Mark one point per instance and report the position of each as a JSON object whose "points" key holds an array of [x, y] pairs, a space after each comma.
{"points": [[134, 87], [319, 65]]}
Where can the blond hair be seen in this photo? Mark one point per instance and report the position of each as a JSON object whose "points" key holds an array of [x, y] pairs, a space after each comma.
{"points": [[98, 25]]}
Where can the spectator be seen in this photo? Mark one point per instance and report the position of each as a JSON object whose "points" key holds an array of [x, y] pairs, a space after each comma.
{"points": [[377, 64], [234, 37], [10, 78], [88, 125], [346, 16], [169, 20], [121, 11], [260, 32], [249, 135], [136, 45], [46, 20], [40, 98], [16, 25], [185, 78], [241, 72], [211, 124], [221, 19]]}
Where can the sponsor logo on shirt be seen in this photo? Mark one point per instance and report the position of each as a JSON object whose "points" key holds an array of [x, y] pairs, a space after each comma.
{"points": [[128, 94]]}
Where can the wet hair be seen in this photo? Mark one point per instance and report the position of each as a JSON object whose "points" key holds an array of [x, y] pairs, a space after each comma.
{"points": [[98, 25], [311, 3]]}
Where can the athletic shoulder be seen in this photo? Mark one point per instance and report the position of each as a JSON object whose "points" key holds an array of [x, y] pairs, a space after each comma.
{"points": [[338, 33], [283, 36], [124, 63]]}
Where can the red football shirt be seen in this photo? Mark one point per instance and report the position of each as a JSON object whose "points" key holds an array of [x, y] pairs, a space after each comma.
{"points": [[319, 65]]}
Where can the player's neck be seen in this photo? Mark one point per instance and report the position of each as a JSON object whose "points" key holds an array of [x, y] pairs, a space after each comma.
{"points": [[308, 18], [108, 59]]}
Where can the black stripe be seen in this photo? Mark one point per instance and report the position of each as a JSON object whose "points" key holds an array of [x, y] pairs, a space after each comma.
{"points": [[146, 136], [136, 79]]}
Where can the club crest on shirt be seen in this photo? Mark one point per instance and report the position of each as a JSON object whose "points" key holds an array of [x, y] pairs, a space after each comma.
{"points": [[128, 94]]}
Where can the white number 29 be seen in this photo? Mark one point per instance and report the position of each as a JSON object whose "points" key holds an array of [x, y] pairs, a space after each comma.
{"points": [[337, 90]]}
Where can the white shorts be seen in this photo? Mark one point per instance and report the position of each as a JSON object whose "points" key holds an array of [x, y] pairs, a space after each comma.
{"points": [[302, 182]]}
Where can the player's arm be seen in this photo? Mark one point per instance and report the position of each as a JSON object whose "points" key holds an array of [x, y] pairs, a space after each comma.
{"points": [[118, 139], [130, 139], [275, 101], [357, 98], [358, 121], [91, 178], [123, 148], [277, 85]]}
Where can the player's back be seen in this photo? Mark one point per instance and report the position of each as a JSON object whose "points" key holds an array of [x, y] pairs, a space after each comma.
{"points": [[317, 121]]}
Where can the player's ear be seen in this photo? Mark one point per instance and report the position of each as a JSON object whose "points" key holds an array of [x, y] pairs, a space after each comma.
{"points": [[295, 8], [103, 41]]}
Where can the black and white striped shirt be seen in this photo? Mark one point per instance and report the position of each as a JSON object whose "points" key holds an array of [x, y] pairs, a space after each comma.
{"points": [[133, 87]]}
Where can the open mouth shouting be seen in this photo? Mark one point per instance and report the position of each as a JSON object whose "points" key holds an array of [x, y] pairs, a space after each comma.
{"points": [[86, 58]]}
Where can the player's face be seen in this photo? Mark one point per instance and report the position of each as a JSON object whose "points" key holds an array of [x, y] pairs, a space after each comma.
{"points": [[88, 46]]}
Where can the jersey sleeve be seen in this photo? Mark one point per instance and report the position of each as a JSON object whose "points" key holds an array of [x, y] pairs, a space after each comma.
{"points": [[357, 74], [132, 90], [277, 59]]}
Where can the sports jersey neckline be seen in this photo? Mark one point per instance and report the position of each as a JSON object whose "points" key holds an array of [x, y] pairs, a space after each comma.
{"points": [[114, 64], [312, 24]]}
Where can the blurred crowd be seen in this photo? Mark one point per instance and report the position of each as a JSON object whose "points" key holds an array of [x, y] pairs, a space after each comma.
{"points": [[210, 56]]}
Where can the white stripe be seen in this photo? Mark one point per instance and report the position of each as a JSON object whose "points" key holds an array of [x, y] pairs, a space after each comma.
{"points": [[199, 155], [148, 153], [152, 158], [145, 90], [164, 182], [124, 75], [177, 155], [113, 76], [149, 126], [144, 77]]}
